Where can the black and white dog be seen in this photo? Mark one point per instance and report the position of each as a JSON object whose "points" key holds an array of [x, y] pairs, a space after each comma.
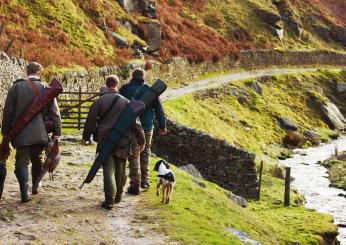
{"points": [[166, 179]]}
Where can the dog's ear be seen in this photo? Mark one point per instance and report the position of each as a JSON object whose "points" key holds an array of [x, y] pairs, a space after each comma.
{"points": [[166, 164], [157, 165]]}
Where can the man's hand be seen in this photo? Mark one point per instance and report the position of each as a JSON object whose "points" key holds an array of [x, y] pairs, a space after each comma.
{"points": [[163, 131], [85, 142], [141, 148], [55, 137]]}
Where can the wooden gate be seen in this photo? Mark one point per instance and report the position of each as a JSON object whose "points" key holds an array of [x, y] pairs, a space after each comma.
{"points": [[74, 106]]}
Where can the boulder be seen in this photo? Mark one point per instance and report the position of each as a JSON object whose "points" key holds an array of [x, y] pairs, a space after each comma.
{"points": [[340, 87], [240, 201], [120, 40], [328, 111], [338, 33], [287, 15], [191, 169], [287, 124], [295, 139], [255, 86], [267, 17], [198, 182], [323, 32], [312, 136], [131, 5], [146, 7], [333, 116], [152, 35]]}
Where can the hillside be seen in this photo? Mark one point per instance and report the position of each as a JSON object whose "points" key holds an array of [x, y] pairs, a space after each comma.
{"points": [[100, 32], [247, 113]]}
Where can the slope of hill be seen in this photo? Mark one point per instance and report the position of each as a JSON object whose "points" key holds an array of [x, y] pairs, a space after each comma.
{"points": [[101, 32], [248, 118], [201, 213]]}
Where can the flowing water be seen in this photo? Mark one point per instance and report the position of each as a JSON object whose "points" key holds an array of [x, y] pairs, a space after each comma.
{"points": [[311, 180]]}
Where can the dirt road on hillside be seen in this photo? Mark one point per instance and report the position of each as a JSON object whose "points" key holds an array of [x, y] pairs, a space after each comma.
{"points": [[224, 79], [63, 214]]}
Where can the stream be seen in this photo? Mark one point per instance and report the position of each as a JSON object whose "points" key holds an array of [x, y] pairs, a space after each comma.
{"points": [[311, 180]]}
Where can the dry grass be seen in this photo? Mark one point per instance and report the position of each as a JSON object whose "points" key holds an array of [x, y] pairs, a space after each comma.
{"points": [[183, 37]]}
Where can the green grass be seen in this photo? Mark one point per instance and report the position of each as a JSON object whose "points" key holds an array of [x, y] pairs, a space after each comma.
{"points": [[199, 215], [253, 125], [337, 172]]}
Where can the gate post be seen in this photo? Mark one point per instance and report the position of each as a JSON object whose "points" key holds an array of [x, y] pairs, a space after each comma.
{"points": [[79, 107]]}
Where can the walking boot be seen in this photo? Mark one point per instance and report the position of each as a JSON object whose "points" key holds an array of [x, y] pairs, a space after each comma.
{"points": [[35, 173], [133, 190], [108, 203], [145, 184], [22, 177], [118, 197], [3, 173]]}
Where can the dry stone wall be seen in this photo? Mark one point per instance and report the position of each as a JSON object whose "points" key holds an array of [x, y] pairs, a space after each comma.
{"points": [[177, 70], [11, 69], [226, 165]]}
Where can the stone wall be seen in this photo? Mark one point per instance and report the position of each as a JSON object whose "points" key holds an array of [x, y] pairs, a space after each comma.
{"points": [[177, 70], [11, 69], [226, 165]]}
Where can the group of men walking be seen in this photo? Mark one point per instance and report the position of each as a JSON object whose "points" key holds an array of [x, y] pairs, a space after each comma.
{"points": [[133, 146]]}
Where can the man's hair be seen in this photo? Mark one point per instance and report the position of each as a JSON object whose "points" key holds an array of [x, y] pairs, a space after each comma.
{"points": [[33, 68], [138, 73], [112, 81]]}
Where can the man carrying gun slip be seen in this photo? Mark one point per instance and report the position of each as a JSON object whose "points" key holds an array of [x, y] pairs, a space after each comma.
{"points": [[32, 139]]}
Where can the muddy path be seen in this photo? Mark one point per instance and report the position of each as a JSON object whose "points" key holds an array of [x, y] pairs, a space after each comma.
{"points": [[64, 214]]}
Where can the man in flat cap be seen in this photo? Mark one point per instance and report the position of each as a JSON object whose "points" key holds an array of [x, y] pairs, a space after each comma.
{"points": [[32, 139]]}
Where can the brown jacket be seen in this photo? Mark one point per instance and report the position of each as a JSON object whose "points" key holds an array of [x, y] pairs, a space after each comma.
{"points": [[18, 99], [98, 110]]}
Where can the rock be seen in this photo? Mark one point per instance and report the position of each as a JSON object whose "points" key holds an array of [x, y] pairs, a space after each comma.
{"points": [[240, 201], [152, 35], [338, 33], [333, 116], [312, 136], [243, 100], [342, 195], [120, 40], [268, 17], [287, 124], [294, 139], [191, 169], [198, 182], [25, 237], [340, 87], [256, 87], [287, 15], [242, 236], [341, 157], [146, 7], [323, 32]]}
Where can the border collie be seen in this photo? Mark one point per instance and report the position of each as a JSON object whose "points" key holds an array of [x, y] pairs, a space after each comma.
{"points": [[166, 179]]}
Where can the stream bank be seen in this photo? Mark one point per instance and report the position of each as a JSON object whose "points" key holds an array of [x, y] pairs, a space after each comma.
{"points": [[311, 180]]}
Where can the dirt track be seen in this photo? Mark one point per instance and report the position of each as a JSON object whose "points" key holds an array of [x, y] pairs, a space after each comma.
{"points": [[224, 79], [63, 214]]}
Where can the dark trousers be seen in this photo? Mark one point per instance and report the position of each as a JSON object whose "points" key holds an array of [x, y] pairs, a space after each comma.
{"points": [[114, 176], [33, 154]]}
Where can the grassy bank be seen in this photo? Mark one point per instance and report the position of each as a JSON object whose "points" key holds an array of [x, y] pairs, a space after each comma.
{"points": [[337, 170], [198, 215], [248, 119]]}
